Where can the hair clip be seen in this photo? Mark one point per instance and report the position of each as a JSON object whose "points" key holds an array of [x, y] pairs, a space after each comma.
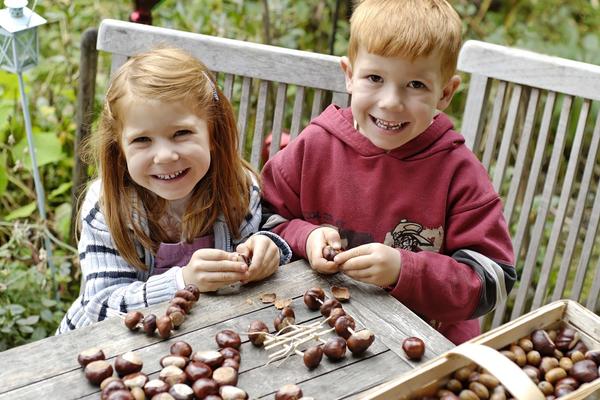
{"points": [[212, 85]]}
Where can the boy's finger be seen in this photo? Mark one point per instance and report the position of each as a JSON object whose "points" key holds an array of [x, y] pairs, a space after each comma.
{"points": [[332, 237], [355, 263]]}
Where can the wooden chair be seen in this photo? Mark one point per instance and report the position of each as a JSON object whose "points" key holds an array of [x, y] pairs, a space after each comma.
{"points": [[533, 121]]}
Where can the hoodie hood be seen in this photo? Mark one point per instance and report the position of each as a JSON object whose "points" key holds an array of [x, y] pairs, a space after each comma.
{"points": [[438, 137]]}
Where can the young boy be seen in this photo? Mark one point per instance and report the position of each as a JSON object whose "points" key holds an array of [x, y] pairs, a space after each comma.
{"points": [[389, 180]]}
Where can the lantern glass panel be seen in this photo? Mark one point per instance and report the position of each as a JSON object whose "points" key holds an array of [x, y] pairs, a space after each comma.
{"points": [[6, 52], [26, 49]]}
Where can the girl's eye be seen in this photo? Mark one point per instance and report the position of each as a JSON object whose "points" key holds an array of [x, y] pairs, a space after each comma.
{"points": [[141, 139], [375, 78], [182, 132], [416, 84]]}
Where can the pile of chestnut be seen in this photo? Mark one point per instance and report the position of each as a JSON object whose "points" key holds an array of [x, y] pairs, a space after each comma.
{"points": [[179, 306], [556, 360], [335, 347], [185, 374]]}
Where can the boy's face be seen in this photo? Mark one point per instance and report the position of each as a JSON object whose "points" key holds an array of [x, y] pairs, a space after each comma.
{"points": [[395, 99]]}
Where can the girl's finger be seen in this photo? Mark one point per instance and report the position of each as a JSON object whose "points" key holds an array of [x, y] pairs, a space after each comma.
{"points": [[211, 255], [220, 266], [224, 277]]}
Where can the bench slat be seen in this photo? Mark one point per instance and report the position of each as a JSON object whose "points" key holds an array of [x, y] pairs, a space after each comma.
{"points": [[507, 138], [259, 126], [278, 119], [493, 127], [244, 111], [297, 113]]}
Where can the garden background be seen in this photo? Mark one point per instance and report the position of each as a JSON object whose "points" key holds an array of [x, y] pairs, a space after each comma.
{"points": [[32, 300]]}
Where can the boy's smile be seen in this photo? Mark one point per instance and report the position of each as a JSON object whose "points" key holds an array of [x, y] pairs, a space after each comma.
{"points": [[395, 99]]}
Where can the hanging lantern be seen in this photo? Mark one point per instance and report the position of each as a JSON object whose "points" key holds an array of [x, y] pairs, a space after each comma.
{"points": [[18, 36]]}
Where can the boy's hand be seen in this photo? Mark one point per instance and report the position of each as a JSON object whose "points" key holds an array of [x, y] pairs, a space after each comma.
{"points": [[373, 263], [212, 269], [316, 242], [263, 256]]}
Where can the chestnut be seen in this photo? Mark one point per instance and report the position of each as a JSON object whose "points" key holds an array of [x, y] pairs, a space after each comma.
{"points": [[138, 393], [196, 370], [344, 326], [334, 315], [178, 361], [97, 371], [335, 348], [579, 346], [181, 391], [542, 342], [228, 392], [360, 341], [132, 319], [122, 394], [289, 392], [413, 347], [113, 385], [181, 348], [149, 324], [164, 326], [328, 305], [211, 358], [257, 337], [181, 303], [313, 298], [172, 375], [89, 355], [230, 352], [176, 315], [128, 363], [228, 338], [186, 295], [137, 379], [154, 387], [584, 371], [204, 387], [194, 290], [225, 376], [593, 355], [285, 318], [230, 362], [329, 253], [566, 339], [312, 356]]}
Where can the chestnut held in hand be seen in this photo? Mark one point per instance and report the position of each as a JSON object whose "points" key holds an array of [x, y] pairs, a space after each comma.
{"points": [[413, 347]]}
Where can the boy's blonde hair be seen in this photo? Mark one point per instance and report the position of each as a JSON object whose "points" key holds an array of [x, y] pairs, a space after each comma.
{"points": [[407, 28], [168, 74]]}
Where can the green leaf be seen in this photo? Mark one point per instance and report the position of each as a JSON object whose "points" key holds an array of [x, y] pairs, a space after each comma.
{"points": [[46, 315], [62, 219], [64, 187], [47, 147], [3, 173], [48, 302], [16, 309], [39, 333], [31, 320], [22, 212], [6, 110], [26, 329]]}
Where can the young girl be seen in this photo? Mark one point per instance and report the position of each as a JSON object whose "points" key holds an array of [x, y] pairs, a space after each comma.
{"points": [[175, 203]]}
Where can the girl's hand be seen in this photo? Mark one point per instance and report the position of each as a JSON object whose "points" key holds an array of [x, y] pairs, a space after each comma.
{"points": [[316, 242], [263, 254], [212, 269], [373, 263]]}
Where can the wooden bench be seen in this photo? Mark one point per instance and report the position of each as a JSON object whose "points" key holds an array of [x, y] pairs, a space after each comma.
{"points": [[526, 117]]}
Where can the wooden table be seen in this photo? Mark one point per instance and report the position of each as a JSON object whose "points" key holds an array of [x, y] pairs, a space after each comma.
{"points": [[48, 368]]}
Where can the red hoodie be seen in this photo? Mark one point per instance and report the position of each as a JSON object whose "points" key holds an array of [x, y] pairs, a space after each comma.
{"points": [[429, 198]]}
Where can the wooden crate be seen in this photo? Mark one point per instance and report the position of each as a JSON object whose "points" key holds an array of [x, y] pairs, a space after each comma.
{"points": [[483, 351]]}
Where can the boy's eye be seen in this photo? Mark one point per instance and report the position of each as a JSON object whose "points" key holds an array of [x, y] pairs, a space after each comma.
{"points": [[375, 78], [416, 84]]}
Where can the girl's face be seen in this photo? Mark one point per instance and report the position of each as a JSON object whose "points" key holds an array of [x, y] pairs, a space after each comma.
{"points": [[166, 146]]}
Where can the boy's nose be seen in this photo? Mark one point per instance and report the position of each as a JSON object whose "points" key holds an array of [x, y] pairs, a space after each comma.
{"points": [[165, 154], [391, 99]]}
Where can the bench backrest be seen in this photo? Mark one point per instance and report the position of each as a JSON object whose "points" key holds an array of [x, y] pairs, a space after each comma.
{"points": [[527, 117], [533, 121], [300, 81]]}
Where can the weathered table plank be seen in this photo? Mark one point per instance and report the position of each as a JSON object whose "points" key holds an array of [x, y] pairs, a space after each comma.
{"points": [[48, 368]]}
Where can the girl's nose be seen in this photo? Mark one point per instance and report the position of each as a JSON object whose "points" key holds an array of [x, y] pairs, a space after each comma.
{"points": [[165, 154]]}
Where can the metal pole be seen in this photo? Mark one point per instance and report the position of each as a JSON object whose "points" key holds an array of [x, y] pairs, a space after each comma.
{"points": [[39, 189]]}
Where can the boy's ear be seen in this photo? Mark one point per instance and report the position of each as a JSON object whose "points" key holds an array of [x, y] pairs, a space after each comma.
{"points": [[448, 92], [347, 68]]}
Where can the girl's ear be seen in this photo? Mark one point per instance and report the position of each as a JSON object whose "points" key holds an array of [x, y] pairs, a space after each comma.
{"points": [[347, 68], [448, 92]]}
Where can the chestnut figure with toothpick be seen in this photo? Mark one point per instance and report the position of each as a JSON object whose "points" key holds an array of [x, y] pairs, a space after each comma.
{"points": [[175, 204], [386, 191]]}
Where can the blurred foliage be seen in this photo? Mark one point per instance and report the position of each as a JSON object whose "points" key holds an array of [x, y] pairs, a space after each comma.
{"points": [[32, 298]]}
